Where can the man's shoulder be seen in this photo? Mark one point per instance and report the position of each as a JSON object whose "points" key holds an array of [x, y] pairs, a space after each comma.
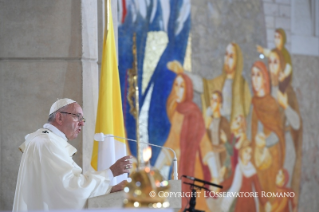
{"points": [[37, 139], [45, 140], [40, 133]]}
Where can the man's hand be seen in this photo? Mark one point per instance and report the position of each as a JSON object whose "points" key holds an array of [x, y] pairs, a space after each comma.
{"points": [[121, 166], [118, 187]]}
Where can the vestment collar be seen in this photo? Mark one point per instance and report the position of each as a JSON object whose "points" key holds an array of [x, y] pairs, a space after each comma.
{"points": [[55, 130]]}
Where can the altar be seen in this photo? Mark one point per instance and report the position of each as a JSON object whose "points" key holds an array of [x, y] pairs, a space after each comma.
{"points": [[115, 200]]}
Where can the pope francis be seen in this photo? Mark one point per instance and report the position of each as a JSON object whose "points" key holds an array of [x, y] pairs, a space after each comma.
{"points": [[48, 177]]}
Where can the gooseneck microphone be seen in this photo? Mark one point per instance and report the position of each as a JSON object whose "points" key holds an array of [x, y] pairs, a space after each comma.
{"points": [[101, 137], [202, 181]]}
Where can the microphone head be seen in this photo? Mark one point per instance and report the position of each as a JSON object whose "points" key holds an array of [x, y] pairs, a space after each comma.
{"points": [[188, 177], [99, 137]]}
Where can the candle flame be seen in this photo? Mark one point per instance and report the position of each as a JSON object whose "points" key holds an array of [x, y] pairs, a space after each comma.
{"points": [[147, 154]]}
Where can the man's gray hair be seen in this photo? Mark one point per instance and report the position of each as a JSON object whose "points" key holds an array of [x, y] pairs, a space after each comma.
{"points": [[52, 115]]}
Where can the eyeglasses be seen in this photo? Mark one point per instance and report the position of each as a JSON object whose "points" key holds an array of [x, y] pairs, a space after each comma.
{"points": [[80, 117]]}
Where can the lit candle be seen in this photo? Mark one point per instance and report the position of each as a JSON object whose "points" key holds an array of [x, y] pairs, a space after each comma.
{"points": [[147, 154]]}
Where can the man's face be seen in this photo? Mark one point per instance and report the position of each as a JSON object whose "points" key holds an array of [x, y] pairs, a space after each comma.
{"points": [[71, 126], [274, 67], [215, 102], [230, 59]]}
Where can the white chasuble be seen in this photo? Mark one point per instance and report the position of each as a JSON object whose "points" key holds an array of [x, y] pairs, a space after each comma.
{"points": [[48, 177]]}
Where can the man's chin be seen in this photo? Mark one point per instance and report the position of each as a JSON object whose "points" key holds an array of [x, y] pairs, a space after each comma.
{"points": [[74, 136]]}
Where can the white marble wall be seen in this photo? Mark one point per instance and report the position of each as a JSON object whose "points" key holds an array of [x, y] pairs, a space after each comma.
{"points": [[49, 50], [300, 20], [277, 15], [305, 81], [305, 27]]}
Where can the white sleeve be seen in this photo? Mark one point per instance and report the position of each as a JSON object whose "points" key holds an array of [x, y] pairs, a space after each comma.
{"points": [[105, 187], [55, 180], [109, 173]]}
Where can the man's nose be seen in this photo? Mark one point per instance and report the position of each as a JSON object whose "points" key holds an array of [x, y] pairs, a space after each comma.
{"points": [[81, 123]]}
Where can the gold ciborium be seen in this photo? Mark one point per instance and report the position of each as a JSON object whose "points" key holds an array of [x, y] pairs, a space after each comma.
{"points": [[146, 187]]}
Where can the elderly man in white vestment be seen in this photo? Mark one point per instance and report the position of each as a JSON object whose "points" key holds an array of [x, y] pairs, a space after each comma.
{"points": [[48, 177]]}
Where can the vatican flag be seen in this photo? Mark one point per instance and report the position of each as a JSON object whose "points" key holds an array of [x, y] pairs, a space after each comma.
{"points": [[109, 120]]}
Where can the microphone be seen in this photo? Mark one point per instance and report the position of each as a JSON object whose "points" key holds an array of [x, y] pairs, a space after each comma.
{"points": [[101, 137], [202, 181]]}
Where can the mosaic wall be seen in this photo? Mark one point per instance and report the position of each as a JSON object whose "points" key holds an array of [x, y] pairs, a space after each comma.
{"points": [[233, 114]]}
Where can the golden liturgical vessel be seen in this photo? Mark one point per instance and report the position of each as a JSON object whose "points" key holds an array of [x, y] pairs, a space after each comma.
{"points": [[144, 183]]}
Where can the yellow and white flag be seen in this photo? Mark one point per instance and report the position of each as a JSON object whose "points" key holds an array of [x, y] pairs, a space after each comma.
{"points": [[109, 120]]}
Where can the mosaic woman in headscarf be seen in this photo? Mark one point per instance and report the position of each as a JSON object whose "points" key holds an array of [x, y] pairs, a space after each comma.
{"points": [[284, 93], [267, 135], [187, 134]]}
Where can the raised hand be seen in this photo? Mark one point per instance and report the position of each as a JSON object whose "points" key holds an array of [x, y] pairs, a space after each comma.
{"points": [[122, 165]]}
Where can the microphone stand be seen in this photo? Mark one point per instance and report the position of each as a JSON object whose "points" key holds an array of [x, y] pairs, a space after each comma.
{"points": [[192, 201], [193, 186]]}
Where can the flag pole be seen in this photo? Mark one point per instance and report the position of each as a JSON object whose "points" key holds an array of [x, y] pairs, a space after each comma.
{"points": [[107, 18]]}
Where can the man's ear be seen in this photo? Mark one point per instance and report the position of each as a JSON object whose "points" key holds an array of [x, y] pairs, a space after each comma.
{"points": [[58, 118]]}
